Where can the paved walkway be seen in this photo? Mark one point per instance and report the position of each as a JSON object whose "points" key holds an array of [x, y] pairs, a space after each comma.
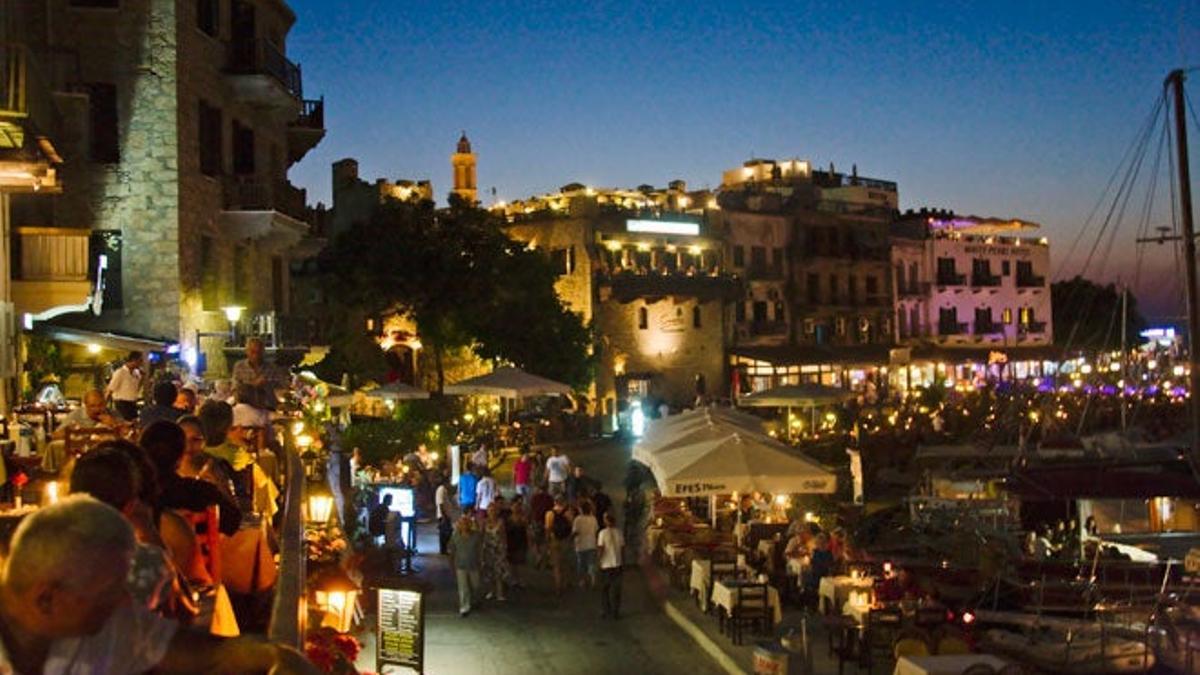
{"points": [[535, 632]]}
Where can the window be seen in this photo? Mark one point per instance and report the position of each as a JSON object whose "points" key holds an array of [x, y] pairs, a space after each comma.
{"points": [[1004, 268], [841, 325], [872, 286], [814, 289], [760, 311], [912, 277], [983, 320], [563, 260], [1006, 315], [643, 318], [833, 289], [902, 323], [810, 326], [243, 149], [210, 140], [914, 321], [739, 256], [900, 287], [852, 289], [758, 258], [739, 312], [947, 320], [1026, 316], [945, 269], [696, 317], [777, 260], [208, 16], [102, 112]]}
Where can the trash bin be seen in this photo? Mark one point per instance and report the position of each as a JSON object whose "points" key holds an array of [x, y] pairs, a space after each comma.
{"points": [[770, 658]]}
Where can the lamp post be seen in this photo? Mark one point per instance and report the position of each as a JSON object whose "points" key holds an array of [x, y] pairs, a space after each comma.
{"points": [[335, 595], [233, 314]]}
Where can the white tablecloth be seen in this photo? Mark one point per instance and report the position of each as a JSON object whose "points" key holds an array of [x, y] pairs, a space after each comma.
{"points": [[858, 612], [950, 664], [725, 595], [673, 551], [833, 592], [702, 575]]}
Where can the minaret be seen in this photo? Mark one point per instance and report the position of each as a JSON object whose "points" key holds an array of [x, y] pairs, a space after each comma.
{"points": [[463, 161]]}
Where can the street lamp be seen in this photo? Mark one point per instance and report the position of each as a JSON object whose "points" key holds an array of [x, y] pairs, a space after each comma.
{"points": [[320, 506], [335, 595]]}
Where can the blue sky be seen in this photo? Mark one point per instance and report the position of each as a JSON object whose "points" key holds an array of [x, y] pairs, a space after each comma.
{"points": [[1014, 108]]}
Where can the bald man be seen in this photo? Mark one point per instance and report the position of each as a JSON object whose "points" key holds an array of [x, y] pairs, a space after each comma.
{"points": [[91, 414]]}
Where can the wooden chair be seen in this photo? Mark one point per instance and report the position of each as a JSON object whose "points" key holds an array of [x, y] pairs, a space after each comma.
{"points": [[842, 633], [880, 634], [752, 609]]}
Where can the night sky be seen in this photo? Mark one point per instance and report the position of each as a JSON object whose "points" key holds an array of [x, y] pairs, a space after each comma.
{"points": [[1017, 109]]}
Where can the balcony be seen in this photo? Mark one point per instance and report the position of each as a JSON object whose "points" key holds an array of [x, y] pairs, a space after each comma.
{"points": [[1030, 281], [255, 208], [765, 328], [29, 122], [951, 279], [1032, 327], [952, 328], [988, 327], [307, 130], [912, 290], [50, 268], [986, 279], [629, 286], [262, 76]]}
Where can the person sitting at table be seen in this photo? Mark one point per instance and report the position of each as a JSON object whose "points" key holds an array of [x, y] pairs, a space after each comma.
{"points": [[165, 443], [163, 406], [898, 587], [91, 414], [820, 561]]}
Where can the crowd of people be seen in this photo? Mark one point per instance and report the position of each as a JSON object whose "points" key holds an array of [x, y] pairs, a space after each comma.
{"points": [[554, 518]]}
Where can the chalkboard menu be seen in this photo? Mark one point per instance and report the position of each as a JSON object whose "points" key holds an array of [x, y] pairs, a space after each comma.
{"points": [[400, 635]]}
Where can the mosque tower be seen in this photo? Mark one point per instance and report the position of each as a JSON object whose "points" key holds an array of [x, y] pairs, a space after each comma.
{"points": [[463, 162]]}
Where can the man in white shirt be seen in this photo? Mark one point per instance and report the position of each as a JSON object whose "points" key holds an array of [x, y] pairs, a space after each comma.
{"points": [[558, 467], [125, 387], [485, 491], [611, 544], [58, 617], [445, 514]]}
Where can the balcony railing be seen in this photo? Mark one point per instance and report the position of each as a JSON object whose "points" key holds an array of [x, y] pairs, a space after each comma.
{"points": [[25, 98], [768, 328], [951, 328], [951, 279], [988, 327], [259, 57], [985, 280], [279, 330], [249, 193], [1033, 327], [1030, 281], [312, 114], [51, 254]]}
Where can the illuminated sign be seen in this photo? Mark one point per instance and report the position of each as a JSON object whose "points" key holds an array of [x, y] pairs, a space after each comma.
{"points": [[663, 227]]}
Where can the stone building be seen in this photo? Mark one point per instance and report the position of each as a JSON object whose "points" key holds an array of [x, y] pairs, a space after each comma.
{"points": [[652, 281], [183, 120], [463, 163], [354, 199]]}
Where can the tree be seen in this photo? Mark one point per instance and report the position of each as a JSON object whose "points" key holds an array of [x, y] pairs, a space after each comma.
{"points": [[464, 282], [1087, 315]]}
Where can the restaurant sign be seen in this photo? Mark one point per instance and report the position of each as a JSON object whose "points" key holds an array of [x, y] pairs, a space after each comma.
{"points": [[400, 631]]}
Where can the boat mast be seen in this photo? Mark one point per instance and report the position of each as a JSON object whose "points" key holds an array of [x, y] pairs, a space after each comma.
{"points": [[1124, 356], [1175, 81]]}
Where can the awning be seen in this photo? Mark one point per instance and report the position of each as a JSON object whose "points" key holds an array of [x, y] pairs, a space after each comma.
{"points": [[508, 382], [119, 341], [983, 354]]}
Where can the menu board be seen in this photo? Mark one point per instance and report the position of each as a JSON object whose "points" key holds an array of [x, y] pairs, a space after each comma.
{"points": [[400, 634]]}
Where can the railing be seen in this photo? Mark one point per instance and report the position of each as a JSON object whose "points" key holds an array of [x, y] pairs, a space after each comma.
{"points": [[259, 57], [988, 327], [1033, 327], [1030, 281], [289, 610], [985, 280], [278, 330], [948, 279], [249, 193], [951, 328], [51, 254], [769, 328], [312, 114], [24, 92]]}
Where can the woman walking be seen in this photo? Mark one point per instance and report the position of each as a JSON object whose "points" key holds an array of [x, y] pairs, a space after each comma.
{"points": [[584, 530], [465, 547], [496, 573], [557, 525], [517, 533]]}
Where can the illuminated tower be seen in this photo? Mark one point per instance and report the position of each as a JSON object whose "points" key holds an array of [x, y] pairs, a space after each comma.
{"points": [[463, 161]]}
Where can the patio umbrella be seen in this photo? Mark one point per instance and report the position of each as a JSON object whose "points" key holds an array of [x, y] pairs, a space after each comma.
{"points": [[739, 462], [669, 430], [397, 391], [508, 382]]}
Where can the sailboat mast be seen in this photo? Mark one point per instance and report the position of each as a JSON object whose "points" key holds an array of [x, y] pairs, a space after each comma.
{"points": [[1175, 81], [1124, 356]]}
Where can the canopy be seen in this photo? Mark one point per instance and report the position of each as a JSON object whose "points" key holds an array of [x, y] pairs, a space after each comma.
{"points": [[669, 431], [397, 391], [738, 462], [508, 382], [796, 396]]}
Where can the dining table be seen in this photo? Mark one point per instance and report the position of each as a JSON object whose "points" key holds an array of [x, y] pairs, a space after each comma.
{"points": [[833, 592], [945, 664], [702, 576], [725, 596]]}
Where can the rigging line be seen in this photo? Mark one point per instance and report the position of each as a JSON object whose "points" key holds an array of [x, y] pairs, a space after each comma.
{"points": [[1155, 110], [1120, 198], [1148, 207]]}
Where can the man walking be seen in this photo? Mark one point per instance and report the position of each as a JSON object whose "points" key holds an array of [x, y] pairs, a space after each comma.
{"points": [[445, 512], [125, 387], [522, 473], [558, 467], [465, 549], [611, 544]]}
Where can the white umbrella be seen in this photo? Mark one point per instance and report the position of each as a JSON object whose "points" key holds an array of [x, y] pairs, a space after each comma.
{"points": [[739, 462], [508, 382], [397, 391], [668, 431]]}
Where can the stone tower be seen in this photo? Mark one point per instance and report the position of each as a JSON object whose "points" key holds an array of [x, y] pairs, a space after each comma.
{"points": [[463, 161]]}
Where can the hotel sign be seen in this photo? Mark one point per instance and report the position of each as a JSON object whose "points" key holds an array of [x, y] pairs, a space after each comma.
{"points": [[663, 227], [1018, 251]]}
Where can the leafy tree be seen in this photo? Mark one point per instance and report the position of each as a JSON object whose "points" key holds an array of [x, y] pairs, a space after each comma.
{"points": [[464, 282], [1087, 315]]}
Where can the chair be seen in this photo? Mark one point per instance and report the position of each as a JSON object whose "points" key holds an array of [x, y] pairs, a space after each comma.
{"points": [[952, 645], [841, 632], [882, 630], [79, 440], [751, 609], [909, 647]]}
